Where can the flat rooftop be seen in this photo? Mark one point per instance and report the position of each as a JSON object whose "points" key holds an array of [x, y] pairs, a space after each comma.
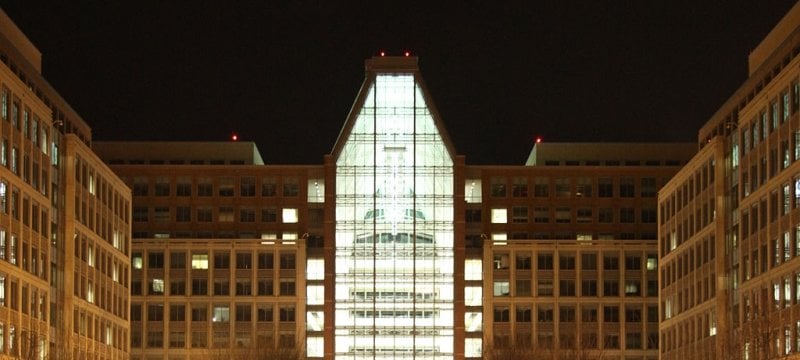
{"points": [[611, 154], [178, 152]]}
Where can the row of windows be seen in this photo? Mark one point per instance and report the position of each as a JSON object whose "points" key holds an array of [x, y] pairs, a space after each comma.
{"points": [[546, 313], [589, 340], [93, 326], [220, 340], [105, 262], [702, 180], [225, 187], [770, 118], [689, 332], [219, 313], [770, 254], [678, 231], [100, 294], [604, 187], [221, 287], [588, 287], [692, 293], [30, 212], [94, 183], [222, 260], [23, 120], [565, 215], [22, 297], [761, 171], [544, 261], [689, 261], [475, 241], [27, 257], [761, 213], [206, 214]]}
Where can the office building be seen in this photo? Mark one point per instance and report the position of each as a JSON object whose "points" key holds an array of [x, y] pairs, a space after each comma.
{"points": [[393, 246], [383, 235], [728, 226], [64, 223]]}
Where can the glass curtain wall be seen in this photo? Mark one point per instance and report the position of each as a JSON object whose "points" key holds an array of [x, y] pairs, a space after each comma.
{"points": [[394, 230]]}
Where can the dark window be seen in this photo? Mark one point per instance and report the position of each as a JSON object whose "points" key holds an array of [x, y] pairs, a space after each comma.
{"points": [[566, 287], [265, 287], [247, 186], [498, 187], [501, 314], [155, 260], [265, 260], [566, 262], [287, 261], [177, 287], [287, 287], [222, 287], [605, 187], [183, 214], [589, 261], [610, 288], [589, 288], [610, 262], [610, 313], [244, 287], [264, 313], [155, 312], [545, 262], [243, 312], [626, 188], [177, 313], [199, 287], [222, 260], [523, 261], [287, 314], [244, 261], [627, 215], [523, 314], [290, 187], [199, 313], [633, 262]]}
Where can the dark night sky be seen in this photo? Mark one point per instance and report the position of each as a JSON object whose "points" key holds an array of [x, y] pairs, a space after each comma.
{"points": [[284, 74]]}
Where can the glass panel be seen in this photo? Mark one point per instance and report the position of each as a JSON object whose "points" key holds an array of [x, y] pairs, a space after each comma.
{"points": [[394, 229]]}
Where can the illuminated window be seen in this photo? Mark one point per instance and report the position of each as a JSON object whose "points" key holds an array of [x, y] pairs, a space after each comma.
{"points": [[315, 346], [473, 296], [315, 295], [316, 190], [157, 287], [473, 269], [315, 269], [473, 321], [502, 288], [473, 347], [652, 262], [136, 261], [200, 261], [472, 191], [499, 216], [289, 216], [221, 314]]}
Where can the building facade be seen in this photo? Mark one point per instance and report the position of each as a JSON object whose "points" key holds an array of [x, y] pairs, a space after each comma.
{"points": [[393, 247], [407, 250], [64, 223], [728, 221]]}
